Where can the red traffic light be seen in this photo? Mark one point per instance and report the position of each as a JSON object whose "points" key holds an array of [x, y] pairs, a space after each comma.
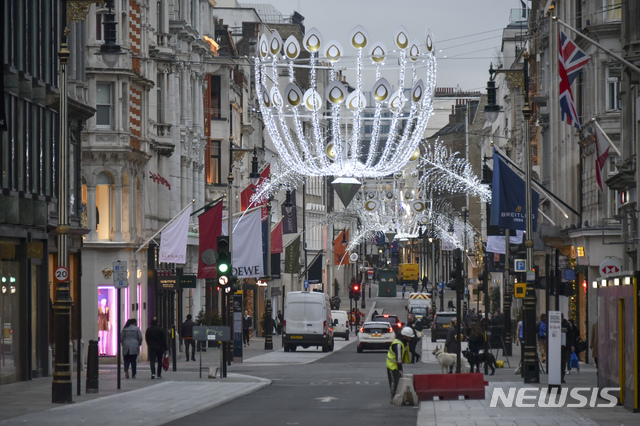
{"points": [[356, 288]]}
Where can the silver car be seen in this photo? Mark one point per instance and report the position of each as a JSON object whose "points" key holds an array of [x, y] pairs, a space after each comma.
{"points": [[375, 335]]}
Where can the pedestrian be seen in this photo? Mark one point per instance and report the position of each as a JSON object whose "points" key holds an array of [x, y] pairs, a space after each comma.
{"points": [[156, 338], [542, 336], [476, 338], [416, 327], [281, 322], [404, 288], [424, 284], [565, 349], [450, 305], [572, 338], [397, 355], [593, 342], [187, 335], [452, 343], [415, 286], [247, 323], [520, 341], [131, 339]]}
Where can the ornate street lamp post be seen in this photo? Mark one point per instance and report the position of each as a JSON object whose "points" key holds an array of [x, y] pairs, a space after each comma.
{"points": [[530, 368]]}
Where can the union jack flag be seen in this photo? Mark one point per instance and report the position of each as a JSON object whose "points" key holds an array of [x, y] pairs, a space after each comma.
{"points": [[574, 58], [570, 59]]}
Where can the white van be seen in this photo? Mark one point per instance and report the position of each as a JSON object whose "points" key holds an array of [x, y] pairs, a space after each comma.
{"points": [[307, 321], [340, 324]]}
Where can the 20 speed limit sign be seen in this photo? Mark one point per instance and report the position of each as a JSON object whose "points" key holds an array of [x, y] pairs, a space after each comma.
{"points": [[62, 274]]}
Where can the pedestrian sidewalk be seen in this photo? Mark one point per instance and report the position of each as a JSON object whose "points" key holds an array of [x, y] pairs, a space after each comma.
{"points": [[179, 393]]}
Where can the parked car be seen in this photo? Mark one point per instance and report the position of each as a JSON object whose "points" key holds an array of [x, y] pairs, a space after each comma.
{"points": [[440, 325], [340, 321], [389, 319], [375, 335], [307, 321]]}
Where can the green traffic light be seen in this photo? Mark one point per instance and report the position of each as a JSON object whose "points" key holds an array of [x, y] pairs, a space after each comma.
{"points": [[223, 267]]}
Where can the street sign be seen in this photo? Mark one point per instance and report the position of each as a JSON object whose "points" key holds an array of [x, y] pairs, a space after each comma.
{"points": [[531, 275], [120, 279], [306, 284], [62, 274], [353, 257], [370, 273], [520, 265]]}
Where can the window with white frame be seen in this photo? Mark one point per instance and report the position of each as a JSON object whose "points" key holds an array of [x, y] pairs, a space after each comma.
{"points": [[160, 96], [104, 105], [612, 10], [100, 26], [613, 89]]}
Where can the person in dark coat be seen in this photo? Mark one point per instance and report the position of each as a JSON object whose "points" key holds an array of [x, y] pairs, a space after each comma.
{"points": [[130, 339], [156, 338], [247, 323], [413, 343], [425, 281], [187, 334], [452, 343]]}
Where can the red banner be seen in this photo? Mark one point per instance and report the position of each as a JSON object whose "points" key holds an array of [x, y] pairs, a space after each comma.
{"points": [[210, 227], [339, 250], [247, 193], [276, 239]]}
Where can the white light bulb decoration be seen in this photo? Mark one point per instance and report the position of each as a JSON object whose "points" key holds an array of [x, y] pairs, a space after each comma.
{"points": [[288, 108]]}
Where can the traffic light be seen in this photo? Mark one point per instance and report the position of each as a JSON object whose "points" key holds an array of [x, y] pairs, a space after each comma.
{"points": [[224, 260], [350, 291], [481, 282], [456, 281], [356, 291]]}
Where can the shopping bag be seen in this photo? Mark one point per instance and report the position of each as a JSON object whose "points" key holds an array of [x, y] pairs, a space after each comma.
{"points": [[165, 361], [574, 363]]}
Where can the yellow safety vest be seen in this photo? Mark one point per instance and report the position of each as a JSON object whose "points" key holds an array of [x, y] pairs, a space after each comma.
{"points": [[391, 355]]}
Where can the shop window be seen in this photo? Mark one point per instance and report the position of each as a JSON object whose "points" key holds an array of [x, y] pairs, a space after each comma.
{"points": [[213, 170], [108, 318], [104, 206], [10, 350]]}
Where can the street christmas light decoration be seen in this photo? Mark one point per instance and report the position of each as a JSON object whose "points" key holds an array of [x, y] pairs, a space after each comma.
{"points": [[441, 171], [401, 100]]}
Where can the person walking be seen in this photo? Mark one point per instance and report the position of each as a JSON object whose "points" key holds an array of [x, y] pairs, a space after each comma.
{"points": [[280, 322], [187, 335], [453, 341], [417, 333], [247, 323], [131, 339], [425, 281], [593, 342], [156, 338], [397, 355], [542, 336]]}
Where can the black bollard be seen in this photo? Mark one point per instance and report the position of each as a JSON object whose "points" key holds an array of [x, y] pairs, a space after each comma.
{"points": [[92, 367]]}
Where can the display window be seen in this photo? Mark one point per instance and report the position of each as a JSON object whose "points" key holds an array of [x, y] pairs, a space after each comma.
{"points": [[108, 319]]}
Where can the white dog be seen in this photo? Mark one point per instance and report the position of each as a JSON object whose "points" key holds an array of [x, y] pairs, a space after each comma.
{"points": [[447, 361]]}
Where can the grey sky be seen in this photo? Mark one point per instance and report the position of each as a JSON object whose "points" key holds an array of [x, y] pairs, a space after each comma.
{"points": [[468, 31]]}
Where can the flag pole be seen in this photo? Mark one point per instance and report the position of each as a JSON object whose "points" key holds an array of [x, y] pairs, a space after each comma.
{"points": [[598, 45], [162, 229], [606, 136]]}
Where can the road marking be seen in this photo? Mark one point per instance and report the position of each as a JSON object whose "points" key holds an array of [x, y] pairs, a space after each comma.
{"points": [[326, 399]]}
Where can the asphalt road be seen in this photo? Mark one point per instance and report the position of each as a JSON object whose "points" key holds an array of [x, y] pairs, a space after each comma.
{"points": [[344, 388]]}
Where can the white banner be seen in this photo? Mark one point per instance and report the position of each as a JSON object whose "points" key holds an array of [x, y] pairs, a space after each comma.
{"points": [[246, 253], [497, 243], [173, 240]]}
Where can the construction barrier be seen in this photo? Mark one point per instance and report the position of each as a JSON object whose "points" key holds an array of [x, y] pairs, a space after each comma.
{"points": [[449, 386]]}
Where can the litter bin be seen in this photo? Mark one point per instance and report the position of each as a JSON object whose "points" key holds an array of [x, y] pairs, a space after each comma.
{"points": [[92, 367]]}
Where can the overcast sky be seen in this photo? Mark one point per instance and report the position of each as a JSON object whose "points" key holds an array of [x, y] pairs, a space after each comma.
{"points": [[467, 31]]}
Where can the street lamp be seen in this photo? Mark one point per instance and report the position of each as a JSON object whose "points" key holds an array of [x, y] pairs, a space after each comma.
{"points": [[72, 11], [530, 367], [255, 174], [110, 50]]}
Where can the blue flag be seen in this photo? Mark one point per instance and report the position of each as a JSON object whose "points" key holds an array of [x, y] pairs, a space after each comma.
{"points": [[508, 198]]}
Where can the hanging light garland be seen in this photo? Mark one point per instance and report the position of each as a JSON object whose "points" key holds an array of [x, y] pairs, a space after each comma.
{"points": [[336, 144]]}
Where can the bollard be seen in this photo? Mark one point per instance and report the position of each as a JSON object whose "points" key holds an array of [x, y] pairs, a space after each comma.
{"points": [[92, 367]]}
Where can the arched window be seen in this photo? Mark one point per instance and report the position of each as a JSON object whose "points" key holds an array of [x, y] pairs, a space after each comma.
{"points": [[104, 206]]}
